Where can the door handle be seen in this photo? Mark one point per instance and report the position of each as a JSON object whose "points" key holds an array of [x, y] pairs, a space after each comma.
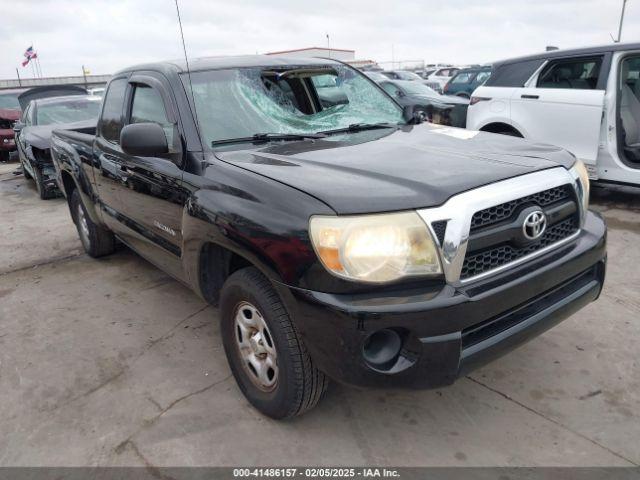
{"points": [[530, 97]]}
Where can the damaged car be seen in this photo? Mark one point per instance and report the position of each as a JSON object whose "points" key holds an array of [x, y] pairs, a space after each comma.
{"points": [[436, 108], [39, 119], [9, 114], [348, 242]]}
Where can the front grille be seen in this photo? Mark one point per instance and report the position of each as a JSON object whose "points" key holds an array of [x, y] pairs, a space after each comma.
{"points": [[502, 224], [476, 264], [493, 215], [439, 228]]}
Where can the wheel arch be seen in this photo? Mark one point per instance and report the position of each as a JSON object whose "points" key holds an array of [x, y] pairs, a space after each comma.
{"points": [[501, 128]]}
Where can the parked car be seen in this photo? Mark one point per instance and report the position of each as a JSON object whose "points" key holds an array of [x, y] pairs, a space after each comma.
{"points": [[348, 242], [9, 113], [39, 119], [96, 91], [436, 108], [376, 76], [585, 100], [402, 75], [438, 79], [463, 83]]}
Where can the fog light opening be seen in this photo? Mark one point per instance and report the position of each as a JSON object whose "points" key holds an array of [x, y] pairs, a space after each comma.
{"points": [[382, 348]]}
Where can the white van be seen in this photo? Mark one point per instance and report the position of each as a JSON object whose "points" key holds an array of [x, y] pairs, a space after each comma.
{"points": [[585, 100]]}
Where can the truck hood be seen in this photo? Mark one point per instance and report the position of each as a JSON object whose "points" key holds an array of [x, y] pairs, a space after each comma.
{"points": [[414, 167]]}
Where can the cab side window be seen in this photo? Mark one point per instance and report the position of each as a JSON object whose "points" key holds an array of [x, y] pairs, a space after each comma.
{"points": [[574, 73], [148, 107], [111, 119]]}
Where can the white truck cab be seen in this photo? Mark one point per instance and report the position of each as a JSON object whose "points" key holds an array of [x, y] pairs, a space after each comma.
{"points": [[585, 100]]}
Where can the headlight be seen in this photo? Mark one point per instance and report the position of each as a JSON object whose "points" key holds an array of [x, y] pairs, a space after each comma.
{"points": [[579, 172], [375, 248]]}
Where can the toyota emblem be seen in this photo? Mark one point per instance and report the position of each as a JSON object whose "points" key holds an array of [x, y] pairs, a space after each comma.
{"points": [[534, 225]]}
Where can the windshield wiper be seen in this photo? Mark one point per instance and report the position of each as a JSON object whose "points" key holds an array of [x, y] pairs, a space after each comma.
{"points": [[359, 127], [268, 137]]}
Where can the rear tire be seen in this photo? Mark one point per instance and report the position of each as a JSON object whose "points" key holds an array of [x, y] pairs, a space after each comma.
{"points": [[97, 241], [266, 355]]}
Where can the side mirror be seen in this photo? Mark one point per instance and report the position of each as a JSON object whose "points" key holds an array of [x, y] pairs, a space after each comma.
{"points": [[144, 140], [18, 126], [412, 115]]}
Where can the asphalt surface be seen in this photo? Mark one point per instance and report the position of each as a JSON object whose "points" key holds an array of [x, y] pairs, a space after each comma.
{"points": [[111, 362]]}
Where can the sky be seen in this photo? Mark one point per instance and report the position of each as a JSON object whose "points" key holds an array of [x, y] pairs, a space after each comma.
{"points": [[109, 35]]}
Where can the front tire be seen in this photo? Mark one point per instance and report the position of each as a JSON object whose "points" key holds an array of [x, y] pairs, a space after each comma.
{"points": [[266, 355], [42, 191], [97, 241], [25, 172]]}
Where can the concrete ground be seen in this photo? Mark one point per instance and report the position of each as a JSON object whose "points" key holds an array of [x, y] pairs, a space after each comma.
{"points": [[111, 362]]}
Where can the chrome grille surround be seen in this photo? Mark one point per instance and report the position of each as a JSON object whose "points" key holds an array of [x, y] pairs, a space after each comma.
{"points": [[458, 212]]}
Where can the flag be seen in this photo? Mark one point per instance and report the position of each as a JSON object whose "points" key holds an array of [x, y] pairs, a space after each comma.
{"points": [[29, 54]]}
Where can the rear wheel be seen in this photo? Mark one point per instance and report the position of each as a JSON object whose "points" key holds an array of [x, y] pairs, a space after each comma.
{"points": [[267, 356], [96, 240]]}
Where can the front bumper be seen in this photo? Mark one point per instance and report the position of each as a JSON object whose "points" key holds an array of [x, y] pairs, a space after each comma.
{"points": [[446, 331]]}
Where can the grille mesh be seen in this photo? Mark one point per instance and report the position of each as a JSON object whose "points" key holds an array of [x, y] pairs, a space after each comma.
{"points": [[477, 263], [439, 228], [493, 215]]}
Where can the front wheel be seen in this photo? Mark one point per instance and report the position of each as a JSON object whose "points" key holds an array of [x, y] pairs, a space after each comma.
{"points": [[25, 172], [42, 190], [266, 354], [96, 240]]}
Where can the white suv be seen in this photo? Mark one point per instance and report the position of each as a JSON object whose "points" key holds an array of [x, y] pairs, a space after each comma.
{"points": [[586, 100], [438, 79]]}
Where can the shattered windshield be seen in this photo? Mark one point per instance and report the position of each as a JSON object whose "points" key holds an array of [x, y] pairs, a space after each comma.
{"points": [[242, 102]]}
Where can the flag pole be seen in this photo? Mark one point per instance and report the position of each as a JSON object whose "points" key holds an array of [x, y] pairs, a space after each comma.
{"points": [[84, 74], [18, 74]]}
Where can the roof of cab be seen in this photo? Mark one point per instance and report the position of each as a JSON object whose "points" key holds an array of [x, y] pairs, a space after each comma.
{"points": [[226, 62], [612, 47]]}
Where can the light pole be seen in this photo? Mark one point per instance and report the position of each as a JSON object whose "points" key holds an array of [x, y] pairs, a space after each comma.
{"points": [[624, 4]]}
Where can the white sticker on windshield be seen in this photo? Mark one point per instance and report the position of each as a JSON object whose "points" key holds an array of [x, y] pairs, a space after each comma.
{"points": [[460, 133]]}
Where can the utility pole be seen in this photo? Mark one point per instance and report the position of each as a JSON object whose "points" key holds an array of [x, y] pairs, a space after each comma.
{"points": [[328, 45], [393, 57], [624, 4], [84, 74]]}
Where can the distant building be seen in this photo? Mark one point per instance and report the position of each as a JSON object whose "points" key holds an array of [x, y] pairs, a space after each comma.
{"points": [[337, 53]]}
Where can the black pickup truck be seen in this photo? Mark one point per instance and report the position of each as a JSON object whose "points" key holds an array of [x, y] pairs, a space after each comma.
{"points": [[340, 237]]}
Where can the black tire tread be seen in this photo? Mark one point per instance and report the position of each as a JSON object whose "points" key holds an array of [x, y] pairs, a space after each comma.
{"points": [[103, 241], [311, 382], [42, 192]]}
